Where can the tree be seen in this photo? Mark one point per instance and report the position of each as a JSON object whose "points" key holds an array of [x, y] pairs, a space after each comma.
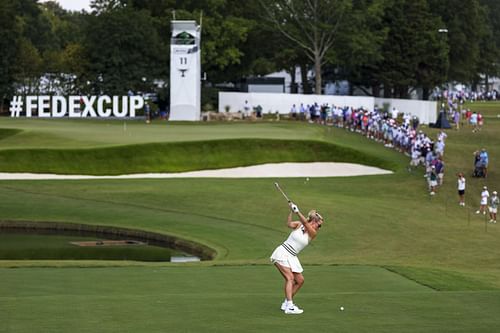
{"points": [[10, 32], [414, 54], [357, 51], [28, 67], [122, 47], [311, 25], [489, 47], [463, 21]]}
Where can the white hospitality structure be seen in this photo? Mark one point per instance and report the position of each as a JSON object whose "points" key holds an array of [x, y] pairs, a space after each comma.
{"points": [[185, 71], [282, 103]]}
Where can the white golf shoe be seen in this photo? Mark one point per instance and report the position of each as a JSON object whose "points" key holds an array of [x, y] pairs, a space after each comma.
{"points": [[283, 306], [294, 309]]}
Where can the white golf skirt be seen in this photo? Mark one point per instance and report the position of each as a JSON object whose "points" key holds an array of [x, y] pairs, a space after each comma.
{"points": [[286, 259]]}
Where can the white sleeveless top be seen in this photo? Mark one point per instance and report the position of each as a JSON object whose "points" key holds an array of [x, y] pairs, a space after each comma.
{"points": [[297, 241]]}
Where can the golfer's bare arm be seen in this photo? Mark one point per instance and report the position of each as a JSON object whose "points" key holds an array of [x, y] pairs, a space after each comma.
{"points": [[310, 230], [292, 224]]}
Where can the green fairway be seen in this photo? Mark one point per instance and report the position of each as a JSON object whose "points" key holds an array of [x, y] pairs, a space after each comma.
{"points": [[397, 259], [194, 299]]}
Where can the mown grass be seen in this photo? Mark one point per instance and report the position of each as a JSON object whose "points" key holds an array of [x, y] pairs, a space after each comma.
{"points": [[234, 298], [179, 157], [6, 132], [443, 267]]}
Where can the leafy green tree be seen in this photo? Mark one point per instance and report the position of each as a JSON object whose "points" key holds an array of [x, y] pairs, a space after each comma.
{"points": [[489, 46], [28, 67], [122, 47], [463, 21], [311, 25], [414, 53], [357, 51], [10, 33]]}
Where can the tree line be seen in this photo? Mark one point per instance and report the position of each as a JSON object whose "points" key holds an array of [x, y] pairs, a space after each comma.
{"points": [[383, 47]]}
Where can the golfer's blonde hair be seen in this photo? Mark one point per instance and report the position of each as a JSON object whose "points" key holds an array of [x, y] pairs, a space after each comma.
{"points": [[313, 215]]}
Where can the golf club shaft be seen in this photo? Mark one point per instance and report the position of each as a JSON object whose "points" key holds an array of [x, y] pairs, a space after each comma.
{"points": [[279, 189]]}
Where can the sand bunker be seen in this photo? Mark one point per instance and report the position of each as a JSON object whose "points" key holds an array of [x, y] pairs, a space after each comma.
{"points": [[271, 170]]}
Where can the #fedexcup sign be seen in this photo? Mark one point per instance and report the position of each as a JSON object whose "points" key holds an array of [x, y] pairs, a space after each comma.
{"points": [[76, 106]]}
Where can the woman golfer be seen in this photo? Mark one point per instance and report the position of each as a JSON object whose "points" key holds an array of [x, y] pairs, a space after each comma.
{"points": [[285, 256]]}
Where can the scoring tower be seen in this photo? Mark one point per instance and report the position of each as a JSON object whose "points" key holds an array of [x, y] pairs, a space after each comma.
{"points": [[185, 71]]}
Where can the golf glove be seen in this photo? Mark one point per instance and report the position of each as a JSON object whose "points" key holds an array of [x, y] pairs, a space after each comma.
{"points": [[294, 207]]}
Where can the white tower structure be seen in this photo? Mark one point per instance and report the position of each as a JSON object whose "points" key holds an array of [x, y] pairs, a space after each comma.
{"points": [[185, 71]]}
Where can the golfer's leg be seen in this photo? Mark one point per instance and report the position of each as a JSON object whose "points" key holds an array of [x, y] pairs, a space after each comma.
{"points": [[289, 280], [299, 281]]}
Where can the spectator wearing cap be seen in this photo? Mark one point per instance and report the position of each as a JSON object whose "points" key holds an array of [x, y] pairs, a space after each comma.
{"points": [[493, 206], [461, 189], [484, 201]]}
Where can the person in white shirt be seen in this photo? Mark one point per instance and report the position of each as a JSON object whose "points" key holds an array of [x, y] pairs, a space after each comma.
{"points": [[442, 136], [493, 206], [285, 257], [293, 111], [484, 201], [440, 147], [473, 121], [247, 109], [461, 189], [394, 113]]}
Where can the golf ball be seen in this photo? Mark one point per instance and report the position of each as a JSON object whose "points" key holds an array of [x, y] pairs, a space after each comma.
{"points": [[307, 179], [341, 308]]}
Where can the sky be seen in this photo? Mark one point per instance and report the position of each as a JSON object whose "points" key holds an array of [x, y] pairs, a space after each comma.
{"points": [[74, 4]]}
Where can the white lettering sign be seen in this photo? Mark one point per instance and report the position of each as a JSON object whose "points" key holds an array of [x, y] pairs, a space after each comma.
{"points": [[76, 106]]}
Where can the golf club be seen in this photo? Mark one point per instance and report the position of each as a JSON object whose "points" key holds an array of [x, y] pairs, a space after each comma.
{"points": [[279, 189]]}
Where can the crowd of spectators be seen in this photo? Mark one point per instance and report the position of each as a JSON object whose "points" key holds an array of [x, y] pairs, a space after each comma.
{"points": [[470, 96], [393, 128]]}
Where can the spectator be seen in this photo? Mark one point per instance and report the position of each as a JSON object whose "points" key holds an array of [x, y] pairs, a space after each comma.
{"points": [[394, 113], [493, 207], [483, 157], [293, 112], [484, 201], [302, 110], [480, 121], [415, 123], [246, 109], [480, 163], [258, 111], [461, 189], [473, 122], [456, 119], [440, 148], [147, 112], [439, 165], [432, 180]]}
